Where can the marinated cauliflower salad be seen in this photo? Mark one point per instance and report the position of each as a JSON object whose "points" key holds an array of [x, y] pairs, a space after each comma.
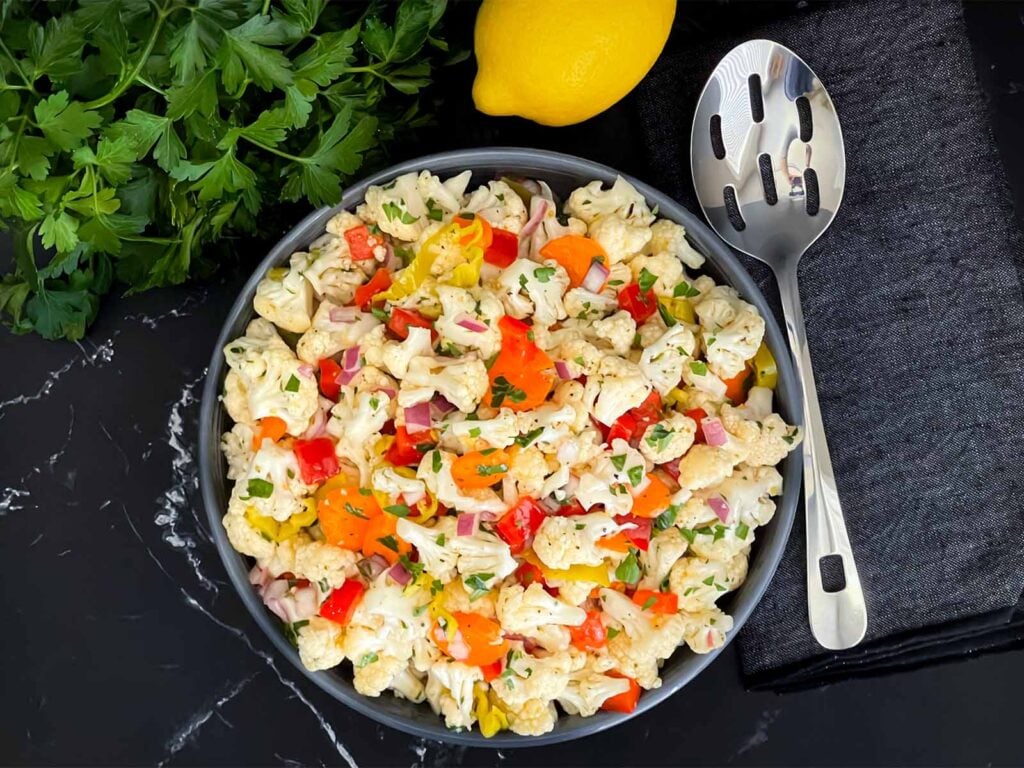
{"points": [[501, 455]]}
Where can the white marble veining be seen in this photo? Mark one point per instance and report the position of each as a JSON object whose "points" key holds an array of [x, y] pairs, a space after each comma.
{"points": [[186, 733]]}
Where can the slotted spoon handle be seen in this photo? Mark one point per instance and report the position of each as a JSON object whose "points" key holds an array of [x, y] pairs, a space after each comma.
{"points": [[838, 618]]}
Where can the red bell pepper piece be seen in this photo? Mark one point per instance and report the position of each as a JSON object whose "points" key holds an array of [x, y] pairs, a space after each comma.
{"points": [[671, 469], [342, 602], [528, 573], [657, 602], [504, 248], [640, 536], [571, 509], [408, 450], [402, 319], [591, 634], [697, 414], [329, 373], [519, 525], [491, 671], [640, 304], [379, 283], [623, 702], [361, 243], [317, 461], [622, 429]]}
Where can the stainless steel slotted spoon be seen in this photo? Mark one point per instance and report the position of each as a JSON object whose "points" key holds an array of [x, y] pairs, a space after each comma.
{"points": [[769, 170]]}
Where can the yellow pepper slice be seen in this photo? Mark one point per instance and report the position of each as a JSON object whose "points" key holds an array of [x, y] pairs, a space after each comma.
{"points": [[298, 521], [277, 273], [766, 374], [267, 526], [454, 236], [594, 573], [339, 480], [491, 717], [680, 309]]}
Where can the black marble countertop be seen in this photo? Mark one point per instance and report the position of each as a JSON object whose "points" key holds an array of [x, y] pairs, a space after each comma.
{"points": [[123, 642]]}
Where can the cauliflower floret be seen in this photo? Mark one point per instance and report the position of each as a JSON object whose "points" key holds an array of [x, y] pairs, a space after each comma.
{"points": [[479, 555], [543, 284], [374, 673], [403, 207], [706, 630], [588, 689], [525, 611], [272, 486], [766, 435], [748, 493], [275, 382], [286, 299], [534, 717], [549, 227], [554, 421], [458, 304], [387, 480], [670, 238], [443, 487], [622, 198], [528, 471], [319, 644], [665, 267], [244, 538], [572, 592], [408, 685], [499, 432], [721, 542], [450, 692], [236, 399], [696, 374], [327, 337], [324, 563], [500, 205], [562, 542], [237, 448], [432, 544], [462, 382], [662, 553], [663, 361], [330, 270], [582, 357], [668, 439], [643, 641], [706, 465], [536, 677], [584, 305], [698, 583], [356, 422], [620, 239], [617, 330], [618, 386], [455, 598], [731, 330], [397, 355], [652, 330], [597, 487]]}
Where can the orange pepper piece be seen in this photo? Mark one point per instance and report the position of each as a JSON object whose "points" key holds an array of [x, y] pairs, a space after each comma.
{"points": [[380, 539], [653, 499], [481, 469], [575, 253], [270, 427], [487, 232], [477, 641], [736, 389], [345, 514], [618, 542]]}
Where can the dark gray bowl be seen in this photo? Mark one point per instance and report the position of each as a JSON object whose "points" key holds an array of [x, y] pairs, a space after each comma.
{"points": [[563, 173]]}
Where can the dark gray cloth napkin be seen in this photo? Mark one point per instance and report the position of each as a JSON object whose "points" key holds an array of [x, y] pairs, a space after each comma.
{"points": [[915, 316]]}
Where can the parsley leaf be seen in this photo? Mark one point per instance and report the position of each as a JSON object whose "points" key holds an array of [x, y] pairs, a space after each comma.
{"points": [[502, 388], [524, 440], [628, 570], [258, 488], [478, 584], [646, 280]]}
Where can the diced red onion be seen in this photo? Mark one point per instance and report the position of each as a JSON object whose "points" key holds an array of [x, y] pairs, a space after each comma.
{"points": [[536, 216], [533, 185], [350, 365], [562, 369], [711, 638], [720, 507], [417, 418], [318, 425], [441, 405], [388, 391], [274, 589], [595, 278], [530, 645], [714, 432], [372, 567], [467, 525], [489, 517], [343, 314], [258, 576], [306, 602], [391, 260], [399, 573], [470, 323], [305, 370], [513, 636]]}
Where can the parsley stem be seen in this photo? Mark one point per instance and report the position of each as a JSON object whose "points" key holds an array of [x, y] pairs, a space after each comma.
{"points": [[266, 8], [126, 81], [17, 67], [274, 151], [153, 87]]}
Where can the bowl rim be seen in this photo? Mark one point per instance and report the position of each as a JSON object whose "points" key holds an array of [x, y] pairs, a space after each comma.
{"points": [[765, 559]]}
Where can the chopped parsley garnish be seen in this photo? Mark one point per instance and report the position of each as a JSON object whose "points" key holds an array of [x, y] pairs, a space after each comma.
{"points": [[374, 403], [486, 470], [544, 274], [433, 212], [710, 342], [291, 631], [367, 658], [394, 211], [580, 526], [365, 492], [666, 316], [629, 569], [699, 368], [611, 632], [648, 603], [440, 540], [390, 542], [414, 568], [685, 291], [788, 439], [436, 586], [720, 531], [688, 533], [381, 314], [658, 437], [635, 475], [615, 283], [478, 583], [523, 282], [449, 349], [646, 280], [398, 510], [503, 388], [742, 530], [293, 384], [259, 488], [666, 518], [619, 461], [709, 580], [354, 512], [436, 461], [524, 440], [474, 432]]}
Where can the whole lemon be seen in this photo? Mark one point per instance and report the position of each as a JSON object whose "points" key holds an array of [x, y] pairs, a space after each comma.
{"points": [[559, 62]]}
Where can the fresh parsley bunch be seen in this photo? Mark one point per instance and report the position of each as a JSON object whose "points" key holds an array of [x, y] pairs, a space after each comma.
{"points": [[135, 133]]}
